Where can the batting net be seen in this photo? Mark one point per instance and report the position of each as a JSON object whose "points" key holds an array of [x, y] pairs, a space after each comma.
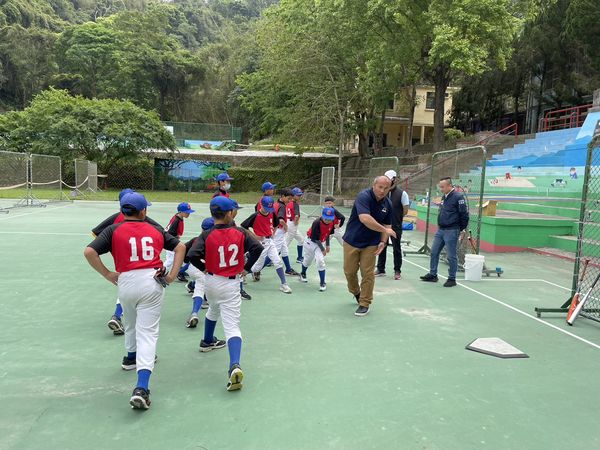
{"points": [[82, 177], [380, 165], [466, 167], [327, 187], [13, 176], [46, 177], [586, 270]]}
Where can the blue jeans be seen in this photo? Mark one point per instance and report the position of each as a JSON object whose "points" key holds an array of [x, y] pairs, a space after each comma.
{"points": [[448, 238]]}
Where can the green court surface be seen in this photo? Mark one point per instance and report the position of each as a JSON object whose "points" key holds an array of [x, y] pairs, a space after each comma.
{"points": [[316, 376]]}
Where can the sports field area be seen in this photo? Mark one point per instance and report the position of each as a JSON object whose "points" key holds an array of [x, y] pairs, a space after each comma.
{"points": [[316, 376]]}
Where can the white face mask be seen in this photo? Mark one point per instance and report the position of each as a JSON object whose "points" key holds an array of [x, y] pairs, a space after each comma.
{"points": [[227, 186]]}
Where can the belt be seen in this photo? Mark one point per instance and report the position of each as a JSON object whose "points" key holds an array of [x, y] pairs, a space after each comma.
{"points": [[230, 278]]}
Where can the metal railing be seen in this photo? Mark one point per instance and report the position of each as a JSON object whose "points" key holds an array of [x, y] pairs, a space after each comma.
{"points": [[561, 119]]}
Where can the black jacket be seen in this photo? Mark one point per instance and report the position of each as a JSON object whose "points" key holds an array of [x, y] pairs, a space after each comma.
{"points": [[395, 197], [454, 212]]}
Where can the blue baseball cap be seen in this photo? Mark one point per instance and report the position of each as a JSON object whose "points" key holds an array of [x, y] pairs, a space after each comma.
{"points": [[224, 177], [328, 214], [208, 223], [297, 191], [222, 204], [134, 202], [124, 192], [267, 203], [266, 186], [185, 208]]}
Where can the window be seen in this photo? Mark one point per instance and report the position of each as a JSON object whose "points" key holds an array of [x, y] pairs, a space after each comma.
{"points": [[390, 104], [430, 100]]}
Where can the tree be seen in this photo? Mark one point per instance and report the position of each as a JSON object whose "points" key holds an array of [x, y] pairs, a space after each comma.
{"points": [[106, 131]]}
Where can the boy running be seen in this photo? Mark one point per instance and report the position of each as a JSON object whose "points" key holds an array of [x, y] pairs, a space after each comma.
{"points": [[318, 235]]}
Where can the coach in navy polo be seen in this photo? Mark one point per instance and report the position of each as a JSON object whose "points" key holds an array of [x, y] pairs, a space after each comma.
{"points": [[367, 232]]}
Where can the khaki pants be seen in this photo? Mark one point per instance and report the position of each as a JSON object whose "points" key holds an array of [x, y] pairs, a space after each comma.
{"points": [[363, 259]]}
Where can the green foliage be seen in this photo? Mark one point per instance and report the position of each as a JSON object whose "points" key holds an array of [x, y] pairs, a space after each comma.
{"points": [[106, 131], [452, 134]]}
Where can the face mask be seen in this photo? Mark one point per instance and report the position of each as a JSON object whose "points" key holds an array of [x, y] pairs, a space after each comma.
{"points": [[227, 186]]}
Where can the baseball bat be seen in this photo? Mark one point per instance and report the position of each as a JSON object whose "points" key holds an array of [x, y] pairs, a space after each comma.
{"points": [[575, 300], [583, 301], [472, 242]]}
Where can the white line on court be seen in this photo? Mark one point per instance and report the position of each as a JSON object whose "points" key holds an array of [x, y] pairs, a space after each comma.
{"points": [[40, 210], [517, 310], [43, 233], [534, 280]]}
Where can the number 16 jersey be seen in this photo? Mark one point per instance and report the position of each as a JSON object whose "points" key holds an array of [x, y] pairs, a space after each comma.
{"points": [[134, 245]]}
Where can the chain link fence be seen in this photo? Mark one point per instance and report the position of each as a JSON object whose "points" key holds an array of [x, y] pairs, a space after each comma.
{"points": [[586, 270]]}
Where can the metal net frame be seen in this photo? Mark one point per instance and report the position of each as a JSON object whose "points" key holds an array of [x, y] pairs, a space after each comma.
{"points": [[46, 177], [380, 165], [14, 175], [81, 177], [466, 167], [327, 188], [92, 176], [588, 239]]}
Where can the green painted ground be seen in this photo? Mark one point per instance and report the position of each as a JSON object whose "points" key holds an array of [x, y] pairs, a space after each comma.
{"points": [[316, 375]]}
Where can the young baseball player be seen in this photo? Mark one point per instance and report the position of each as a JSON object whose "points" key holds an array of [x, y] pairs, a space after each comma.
{"points": [[318, 234], [280, 243], [339, 220], [268, 190], [175, 228], [219, 252], [293, 219], [115, 323], [223, 181], [198, 300], [264, 223], [141, 278]]}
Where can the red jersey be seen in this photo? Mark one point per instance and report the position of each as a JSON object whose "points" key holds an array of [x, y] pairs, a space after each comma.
{"points": [[220, 251], [117, 218], [221, 193], [263, 226], [134, 245], [320, 231], [175, 227]]}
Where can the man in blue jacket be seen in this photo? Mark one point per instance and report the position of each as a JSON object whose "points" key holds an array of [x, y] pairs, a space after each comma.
{"points": [[453, 219]]}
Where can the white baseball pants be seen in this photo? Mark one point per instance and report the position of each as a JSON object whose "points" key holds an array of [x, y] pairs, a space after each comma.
{"points": [[313, 252], [141, 298], [200, 278], [338, 233], [293, 233], [224, 301], [169, 259], [269, 250], [280, 242]]}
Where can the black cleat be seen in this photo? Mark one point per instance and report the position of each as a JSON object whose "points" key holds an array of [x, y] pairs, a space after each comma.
{"points": [[140, 399], [292, 272], [235, 378], [116, 326], [361, 311], [450, 282], [430, 278], [190, 287], [245, 295], [182, 277], [256, 276], [192, 321], [215, 344], [128, 364]]}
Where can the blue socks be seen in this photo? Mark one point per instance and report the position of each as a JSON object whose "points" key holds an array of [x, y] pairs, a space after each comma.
{"points": [[209, 330], [286, 262], [131, 355], [322, 276], [267, 261], [235, 349], [281, 275], [143, 378], [118, 310], [184, 268], [197, 304], [304, 270], [300, 248]]}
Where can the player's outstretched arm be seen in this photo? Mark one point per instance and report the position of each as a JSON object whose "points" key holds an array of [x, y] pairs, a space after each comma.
{"points": [[94, 260]]}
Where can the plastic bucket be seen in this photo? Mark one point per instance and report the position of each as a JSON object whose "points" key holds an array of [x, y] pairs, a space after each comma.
{"points": [[474, 267]]}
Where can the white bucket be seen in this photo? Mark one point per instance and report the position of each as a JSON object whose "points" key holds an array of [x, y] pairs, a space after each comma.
{"points": [[474, 267]]}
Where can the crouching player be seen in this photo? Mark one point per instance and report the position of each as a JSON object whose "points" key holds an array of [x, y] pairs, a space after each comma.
{"points": [[318, 234], [219, 252], [139, 274], [199, 279]]}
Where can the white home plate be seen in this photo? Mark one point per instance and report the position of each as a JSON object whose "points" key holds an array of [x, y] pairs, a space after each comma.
{"points": [[495, 347]]}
